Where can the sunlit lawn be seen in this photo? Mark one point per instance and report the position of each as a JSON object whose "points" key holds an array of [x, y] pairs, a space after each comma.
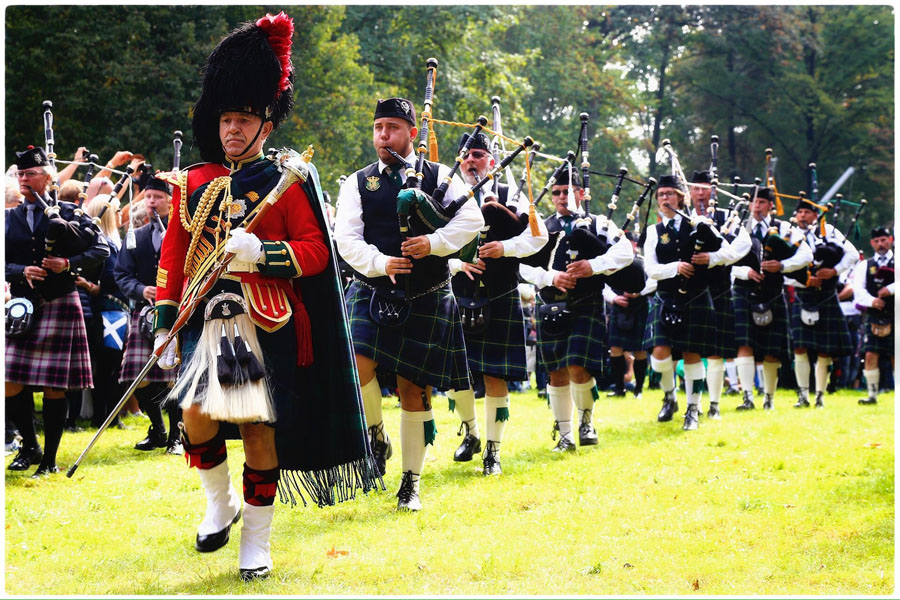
{"points": [[784, 502]]}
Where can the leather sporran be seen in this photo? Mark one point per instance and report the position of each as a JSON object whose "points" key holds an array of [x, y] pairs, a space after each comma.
{"points": [[625, 319], [20, 318], [762, 314], [145, 322], [388, 307], [555, 319], [809, 316], [672, 315], [475, 314]]}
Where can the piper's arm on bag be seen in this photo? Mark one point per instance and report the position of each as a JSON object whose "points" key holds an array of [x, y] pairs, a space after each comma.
{"points": [[526, 244], [618, 257], [800, 259], [461, 230], [739, 246], [537, 276]]}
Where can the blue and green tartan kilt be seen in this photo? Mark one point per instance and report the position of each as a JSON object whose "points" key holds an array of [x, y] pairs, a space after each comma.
{"points": [[428, 349], [830, 334], [629, 339], [696, 334], [884, 346], [724, 319], [499, 351], [583, 345], [771, 340]]}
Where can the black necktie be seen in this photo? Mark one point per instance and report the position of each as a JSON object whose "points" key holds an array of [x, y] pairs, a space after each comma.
{"points": [[567, 224], [759, 232]]}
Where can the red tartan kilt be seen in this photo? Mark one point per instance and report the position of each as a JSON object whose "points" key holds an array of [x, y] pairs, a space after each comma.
{"points": [[137, 353], [55, 353]]}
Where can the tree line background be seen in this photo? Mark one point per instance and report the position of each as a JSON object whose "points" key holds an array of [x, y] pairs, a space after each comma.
{"points": [[815, 83]]}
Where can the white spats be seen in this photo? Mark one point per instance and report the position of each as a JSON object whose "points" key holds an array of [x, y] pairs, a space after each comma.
{"points": [[222, 500], [255, 531]]}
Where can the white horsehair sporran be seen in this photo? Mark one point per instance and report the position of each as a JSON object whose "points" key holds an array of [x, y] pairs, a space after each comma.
{"points": [[226, 373]]}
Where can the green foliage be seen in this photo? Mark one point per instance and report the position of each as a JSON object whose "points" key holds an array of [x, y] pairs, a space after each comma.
{"points": [[797, 502], [815, 83]]}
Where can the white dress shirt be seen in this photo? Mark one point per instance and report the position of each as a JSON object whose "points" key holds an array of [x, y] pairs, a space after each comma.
{"points": [[619, 256], [658, 270], [861, 295], [848, 260], [366, 258], [800, 259]]}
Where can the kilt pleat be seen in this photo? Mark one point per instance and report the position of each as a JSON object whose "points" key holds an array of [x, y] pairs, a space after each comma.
{"points": [[629, 339], [724, 319], [830, 334], [771, 340], [55, 353], [696, 334], [499, 351], [583, 346], [884, 346], [428, 349], [137, 353]]}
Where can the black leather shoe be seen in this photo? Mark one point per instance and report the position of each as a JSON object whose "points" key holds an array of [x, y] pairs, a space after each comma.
{"points": [[257, 573], [616, 393], [768, 402], [175, 447], [748, 402], [802, 399], [467, 449], [564, 445], [156, 438], [691, 418], [214, 541], [382, 450], [713, 412], [25, 458], [669, 408], [820, 400], [587, 435], [44, 470], [860, 401], [408, 495], [491, 459]]}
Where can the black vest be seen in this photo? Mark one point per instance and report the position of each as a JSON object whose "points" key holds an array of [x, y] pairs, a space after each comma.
{"points": [[872, 283], [378, 199], [673, 248], [559, 256], [500, 274]]}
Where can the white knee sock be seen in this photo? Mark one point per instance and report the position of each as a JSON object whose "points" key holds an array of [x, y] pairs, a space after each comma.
{"points": [[561, 405], [464, 401], [770, 376], [583, 398], [746, 368], [413, 441], [693, 374], [872, 377], [822, 364], [731, 371], [760, 375], [371, 396], [496, 414], [801, 370], [666, 369], [715, 378]]}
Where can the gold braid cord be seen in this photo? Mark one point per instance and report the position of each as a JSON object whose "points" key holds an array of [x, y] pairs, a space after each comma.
{"points": [[204, 207]]}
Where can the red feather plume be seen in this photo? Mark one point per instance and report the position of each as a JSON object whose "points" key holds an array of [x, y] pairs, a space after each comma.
{"points": [[279, 29]]}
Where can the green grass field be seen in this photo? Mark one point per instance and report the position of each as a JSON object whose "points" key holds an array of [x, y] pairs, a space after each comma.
{"points": [[785, 502]]}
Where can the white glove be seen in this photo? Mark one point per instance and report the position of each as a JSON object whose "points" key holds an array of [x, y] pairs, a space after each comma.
{"points": [[168, 359], [245, 246]]}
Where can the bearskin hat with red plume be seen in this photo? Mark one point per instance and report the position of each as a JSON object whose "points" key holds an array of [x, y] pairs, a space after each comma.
{"points": [[249, 71]]}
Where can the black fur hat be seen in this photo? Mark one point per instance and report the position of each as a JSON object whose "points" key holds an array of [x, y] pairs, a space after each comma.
{"points": [[249, 71]]}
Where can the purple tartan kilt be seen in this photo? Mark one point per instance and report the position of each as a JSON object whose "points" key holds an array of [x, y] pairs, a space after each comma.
{"points": [[137, 353], [55, 354]]}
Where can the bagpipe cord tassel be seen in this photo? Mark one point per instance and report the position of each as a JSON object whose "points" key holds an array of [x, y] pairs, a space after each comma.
{"points": [[532, 213]]}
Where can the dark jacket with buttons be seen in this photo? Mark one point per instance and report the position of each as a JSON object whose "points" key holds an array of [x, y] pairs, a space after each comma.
{"points": [[137, 267], [26, 248]]}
